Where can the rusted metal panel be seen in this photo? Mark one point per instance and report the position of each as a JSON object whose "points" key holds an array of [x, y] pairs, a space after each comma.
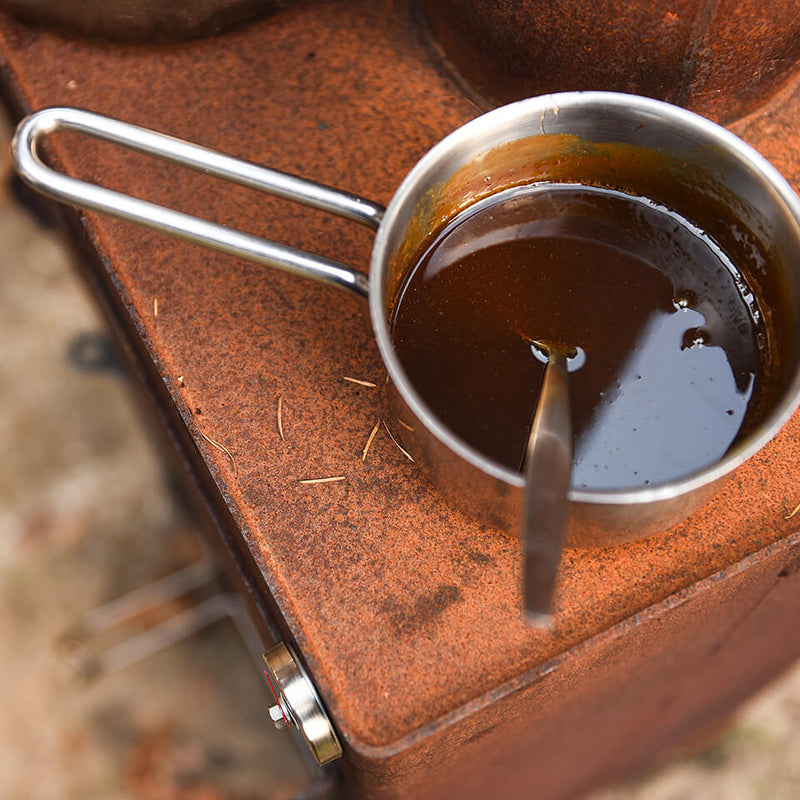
{"points": [[722, 58], [141, 20], [406, 612], [602, 710]]}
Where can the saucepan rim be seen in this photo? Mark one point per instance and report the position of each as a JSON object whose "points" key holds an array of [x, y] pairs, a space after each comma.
{"points": [[506, 117]]}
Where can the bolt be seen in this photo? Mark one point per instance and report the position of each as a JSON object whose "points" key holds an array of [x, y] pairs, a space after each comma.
{"points": [[277, 716]]}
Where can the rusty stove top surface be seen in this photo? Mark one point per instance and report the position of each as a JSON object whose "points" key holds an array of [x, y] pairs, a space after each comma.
{"points": [[406, 611]]}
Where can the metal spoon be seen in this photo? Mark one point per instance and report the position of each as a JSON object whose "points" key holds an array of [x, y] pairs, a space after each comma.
{"points": [[547, 469]]}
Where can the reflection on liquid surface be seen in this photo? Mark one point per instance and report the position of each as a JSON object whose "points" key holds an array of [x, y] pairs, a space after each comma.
{"points": [[667, 325]]}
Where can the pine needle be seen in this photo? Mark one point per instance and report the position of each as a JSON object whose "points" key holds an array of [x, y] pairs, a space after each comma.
{"points": [[369, 440], [370, 384], [280, 418], [399, 446], [221, 447]]}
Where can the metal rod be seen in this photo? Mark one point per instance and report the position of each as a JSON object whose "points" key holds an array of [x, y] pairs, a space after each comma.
{"points": [[146, 597]]}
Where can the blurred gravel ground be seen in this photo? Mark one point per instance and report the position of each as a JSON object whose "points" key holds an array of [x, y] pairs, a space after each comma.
{"points": [[86, 515]]}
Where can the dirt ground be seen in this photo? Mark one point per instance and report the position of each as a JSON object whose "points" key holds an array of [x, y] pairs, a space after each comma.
{"points": [[86, 514]]}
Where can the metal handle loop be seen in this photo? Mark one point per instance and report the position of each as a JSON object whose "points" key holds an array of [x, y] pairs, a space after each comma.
{"points": [[176, 223]]}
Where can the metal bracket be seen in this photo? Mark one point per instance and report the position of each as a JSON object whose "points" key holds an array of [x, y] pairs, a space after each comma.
{"points": [[111, 637], [102, 642]]}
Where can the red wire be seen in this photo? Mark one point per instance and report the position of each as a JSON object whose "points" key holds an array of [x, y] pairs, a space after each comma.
{"points": [[275, 695]]}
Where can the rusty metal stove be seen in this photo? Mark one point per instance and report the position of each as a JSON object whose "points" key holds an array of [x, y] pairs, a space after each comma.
{"points": [[404, 612]]}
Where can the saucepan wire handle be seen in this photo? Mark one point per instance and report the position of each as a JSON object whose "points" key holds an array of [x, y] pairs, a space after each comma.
{"points": [[177, 223]]}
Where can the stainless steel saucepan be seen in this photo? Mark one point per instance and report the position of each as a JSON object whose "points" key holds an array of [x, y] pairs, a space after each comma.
{"points": [[539, 139]]}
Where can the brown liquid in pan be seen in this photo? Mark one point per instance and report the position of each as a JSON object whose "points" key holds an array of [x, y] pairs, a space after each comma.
{"points": [[670, 331]]}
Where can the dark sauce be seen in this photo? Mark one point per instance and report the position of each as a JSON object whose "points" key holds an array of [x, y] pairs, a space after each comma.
{"points": [[670, 331]]}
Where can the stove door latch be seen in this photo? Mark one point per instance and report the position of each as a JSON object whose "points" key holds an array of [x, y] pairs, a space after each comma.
{"points": [[297, 704]]}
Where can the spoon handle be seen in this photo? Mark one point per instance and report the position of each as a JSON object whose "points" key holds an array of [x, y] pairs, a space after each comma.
{"points": [[547, 468]]}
